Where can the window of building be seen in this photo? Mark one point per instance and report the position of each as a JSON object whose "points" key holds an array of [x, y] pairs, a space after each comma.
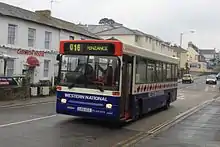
{"points": [[136, 38], [31, 37], [12, 30], [10, 67], [48, 40], [71, 37], [146, 39], [141, 66], [46, 68]]}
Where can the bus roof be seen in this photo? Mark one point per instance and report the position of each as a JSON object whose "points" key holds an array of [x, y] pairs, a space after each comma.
{"points": [[121, 48], [143, 52]]}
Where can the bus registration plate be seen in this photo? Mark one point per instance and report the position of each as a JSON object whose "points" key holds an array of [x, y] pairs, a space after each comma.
{"points": [[83, 109]]}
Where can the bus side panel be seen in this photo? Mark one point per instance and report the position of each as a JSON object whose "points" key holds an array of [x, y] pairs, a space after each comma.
{"points": [[152, 103], [172, 93]]}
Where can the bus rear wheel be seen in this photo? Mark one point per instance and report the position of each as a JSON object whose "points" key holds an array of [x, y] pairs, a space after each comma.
{"points": [[167, 105]]}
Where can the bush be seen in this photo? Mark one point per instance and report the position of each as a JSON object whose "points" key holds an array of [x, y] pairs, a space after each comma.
{"points": [[53, 90]]}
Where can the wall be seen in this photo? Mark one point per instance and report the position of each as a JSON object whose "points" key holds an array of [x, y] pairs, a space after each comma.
{"points": [[192, 55], [129, 39], [22, 42], [198, 66], [22, 33], [209, 56], [183, 59], [20, 63]]}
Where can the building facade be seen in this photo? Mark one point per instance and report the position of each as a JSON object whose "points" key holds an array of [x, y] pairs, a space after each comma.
{"points": [[211, 57], [32, 40], [196, 61], [182, 55], [130, 36], [209, 54]]}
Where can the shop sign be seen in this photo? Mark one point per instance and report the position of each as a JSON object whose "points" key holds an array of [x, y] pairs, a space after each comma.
{"points": [[9, 81], [30, 52]]}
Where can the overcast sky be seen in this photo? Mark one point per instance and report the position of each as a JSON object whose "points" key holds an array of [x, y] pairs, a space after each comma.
{"points": [[163, 18]]}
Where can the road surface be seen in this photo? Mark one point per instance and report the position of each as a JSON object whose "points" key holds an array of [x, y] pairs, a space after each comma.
{"points": [[201, 129], [38, 125]]}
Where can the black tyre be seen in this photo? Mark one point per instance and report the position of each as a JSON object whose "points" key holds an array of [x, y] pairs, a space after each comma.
{"points": [[167, 106]]}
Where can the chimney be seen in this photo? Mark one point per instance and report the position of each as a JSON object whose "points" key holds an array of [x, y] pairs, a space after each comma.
{"points": [[44, 12]]}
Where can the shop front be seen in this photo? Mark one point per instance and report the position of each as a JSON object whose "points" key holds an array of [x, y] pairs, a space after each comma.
{"points": [[39, 66]]}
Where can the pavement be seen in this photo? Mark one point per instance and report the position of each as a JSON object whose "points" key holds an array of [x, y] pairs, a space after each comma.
{"points": [[201, 129], [34, 125], [27, 101]]}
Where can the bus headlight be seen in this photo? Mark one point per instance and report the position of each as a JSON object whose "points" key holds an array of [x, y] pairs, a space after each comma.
{"points": [[63, 101], [109, 106]]}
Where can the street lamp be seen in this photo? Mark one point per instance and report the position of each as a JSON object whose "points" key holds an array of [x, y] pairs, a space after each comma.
{"points": [[181, 36]]}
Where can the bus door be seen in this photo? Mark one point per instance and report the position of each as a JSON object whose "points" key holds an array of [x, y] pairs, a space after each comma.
{"points": [[127, 67]]}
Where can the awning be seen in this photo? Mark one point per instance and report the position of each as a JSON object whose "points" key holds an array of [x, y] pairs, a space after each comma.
{"points": [[4, 56], [32, 61]]}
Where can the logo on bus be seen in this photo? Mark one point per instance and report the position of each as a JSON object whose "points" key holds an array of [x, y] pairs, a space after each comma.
{"points": [[86, 97]]}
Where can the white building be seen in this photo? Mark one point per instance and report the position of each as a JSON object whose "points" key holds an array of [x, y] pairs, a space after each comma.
{"points": [[130, 36], [33, 39], [209, 54]]}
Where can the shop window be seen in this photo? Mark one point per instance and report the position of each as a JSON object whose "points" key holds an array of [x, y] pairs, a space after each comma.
{"points": [[10, 67]]}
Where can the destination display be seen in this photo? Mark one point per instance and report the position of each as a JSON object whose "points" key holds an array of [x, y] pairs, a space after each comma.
{"points": [[89, 48]]}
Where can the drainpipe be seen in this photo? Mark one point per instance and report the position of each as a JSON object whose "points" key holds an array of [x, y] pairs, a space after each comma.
{"points": [[5, 65]]}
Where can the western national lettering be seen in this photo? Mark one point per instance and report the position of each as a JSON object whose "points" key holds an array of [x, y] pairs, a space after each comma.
{"points": [[77, 96]]}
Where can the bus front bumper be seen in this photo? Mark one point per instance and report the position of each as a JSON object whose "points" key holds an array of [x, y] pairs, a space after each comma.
{"points": [[87, 112]]}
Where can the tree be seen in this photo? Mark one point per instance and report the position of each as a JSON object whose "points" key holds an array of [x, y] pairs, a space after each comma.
{"points": [[106, 21], [110, 21], [103, 21]]}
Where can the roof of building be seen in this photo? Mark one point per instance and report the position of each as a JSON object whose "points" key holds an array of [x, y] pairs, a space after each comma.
{"points": [[207, 51], [19, 13], [117, 29], [178, 49]]}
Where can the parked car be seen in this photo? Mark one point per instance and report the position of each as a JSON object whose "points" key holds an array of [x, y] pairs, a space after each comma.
{"points": [[187, 78], [211, 79], [218, 76]]}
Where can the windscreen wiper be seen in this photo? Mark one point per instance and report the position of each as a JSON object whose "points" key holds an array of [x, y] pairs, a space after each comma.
{"points": [[100, 88], [71, 85]]}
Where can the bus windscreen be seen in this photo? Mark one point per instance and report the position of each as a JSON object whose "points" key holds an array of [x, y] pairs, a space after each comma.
{"points": [[89, 48]]}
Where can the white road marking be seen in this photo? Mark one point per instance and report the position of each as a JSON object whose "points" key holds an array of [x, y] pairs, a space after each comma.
{"points": [[26, 121], [14, 106], [206, 88], [181, 98]]}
